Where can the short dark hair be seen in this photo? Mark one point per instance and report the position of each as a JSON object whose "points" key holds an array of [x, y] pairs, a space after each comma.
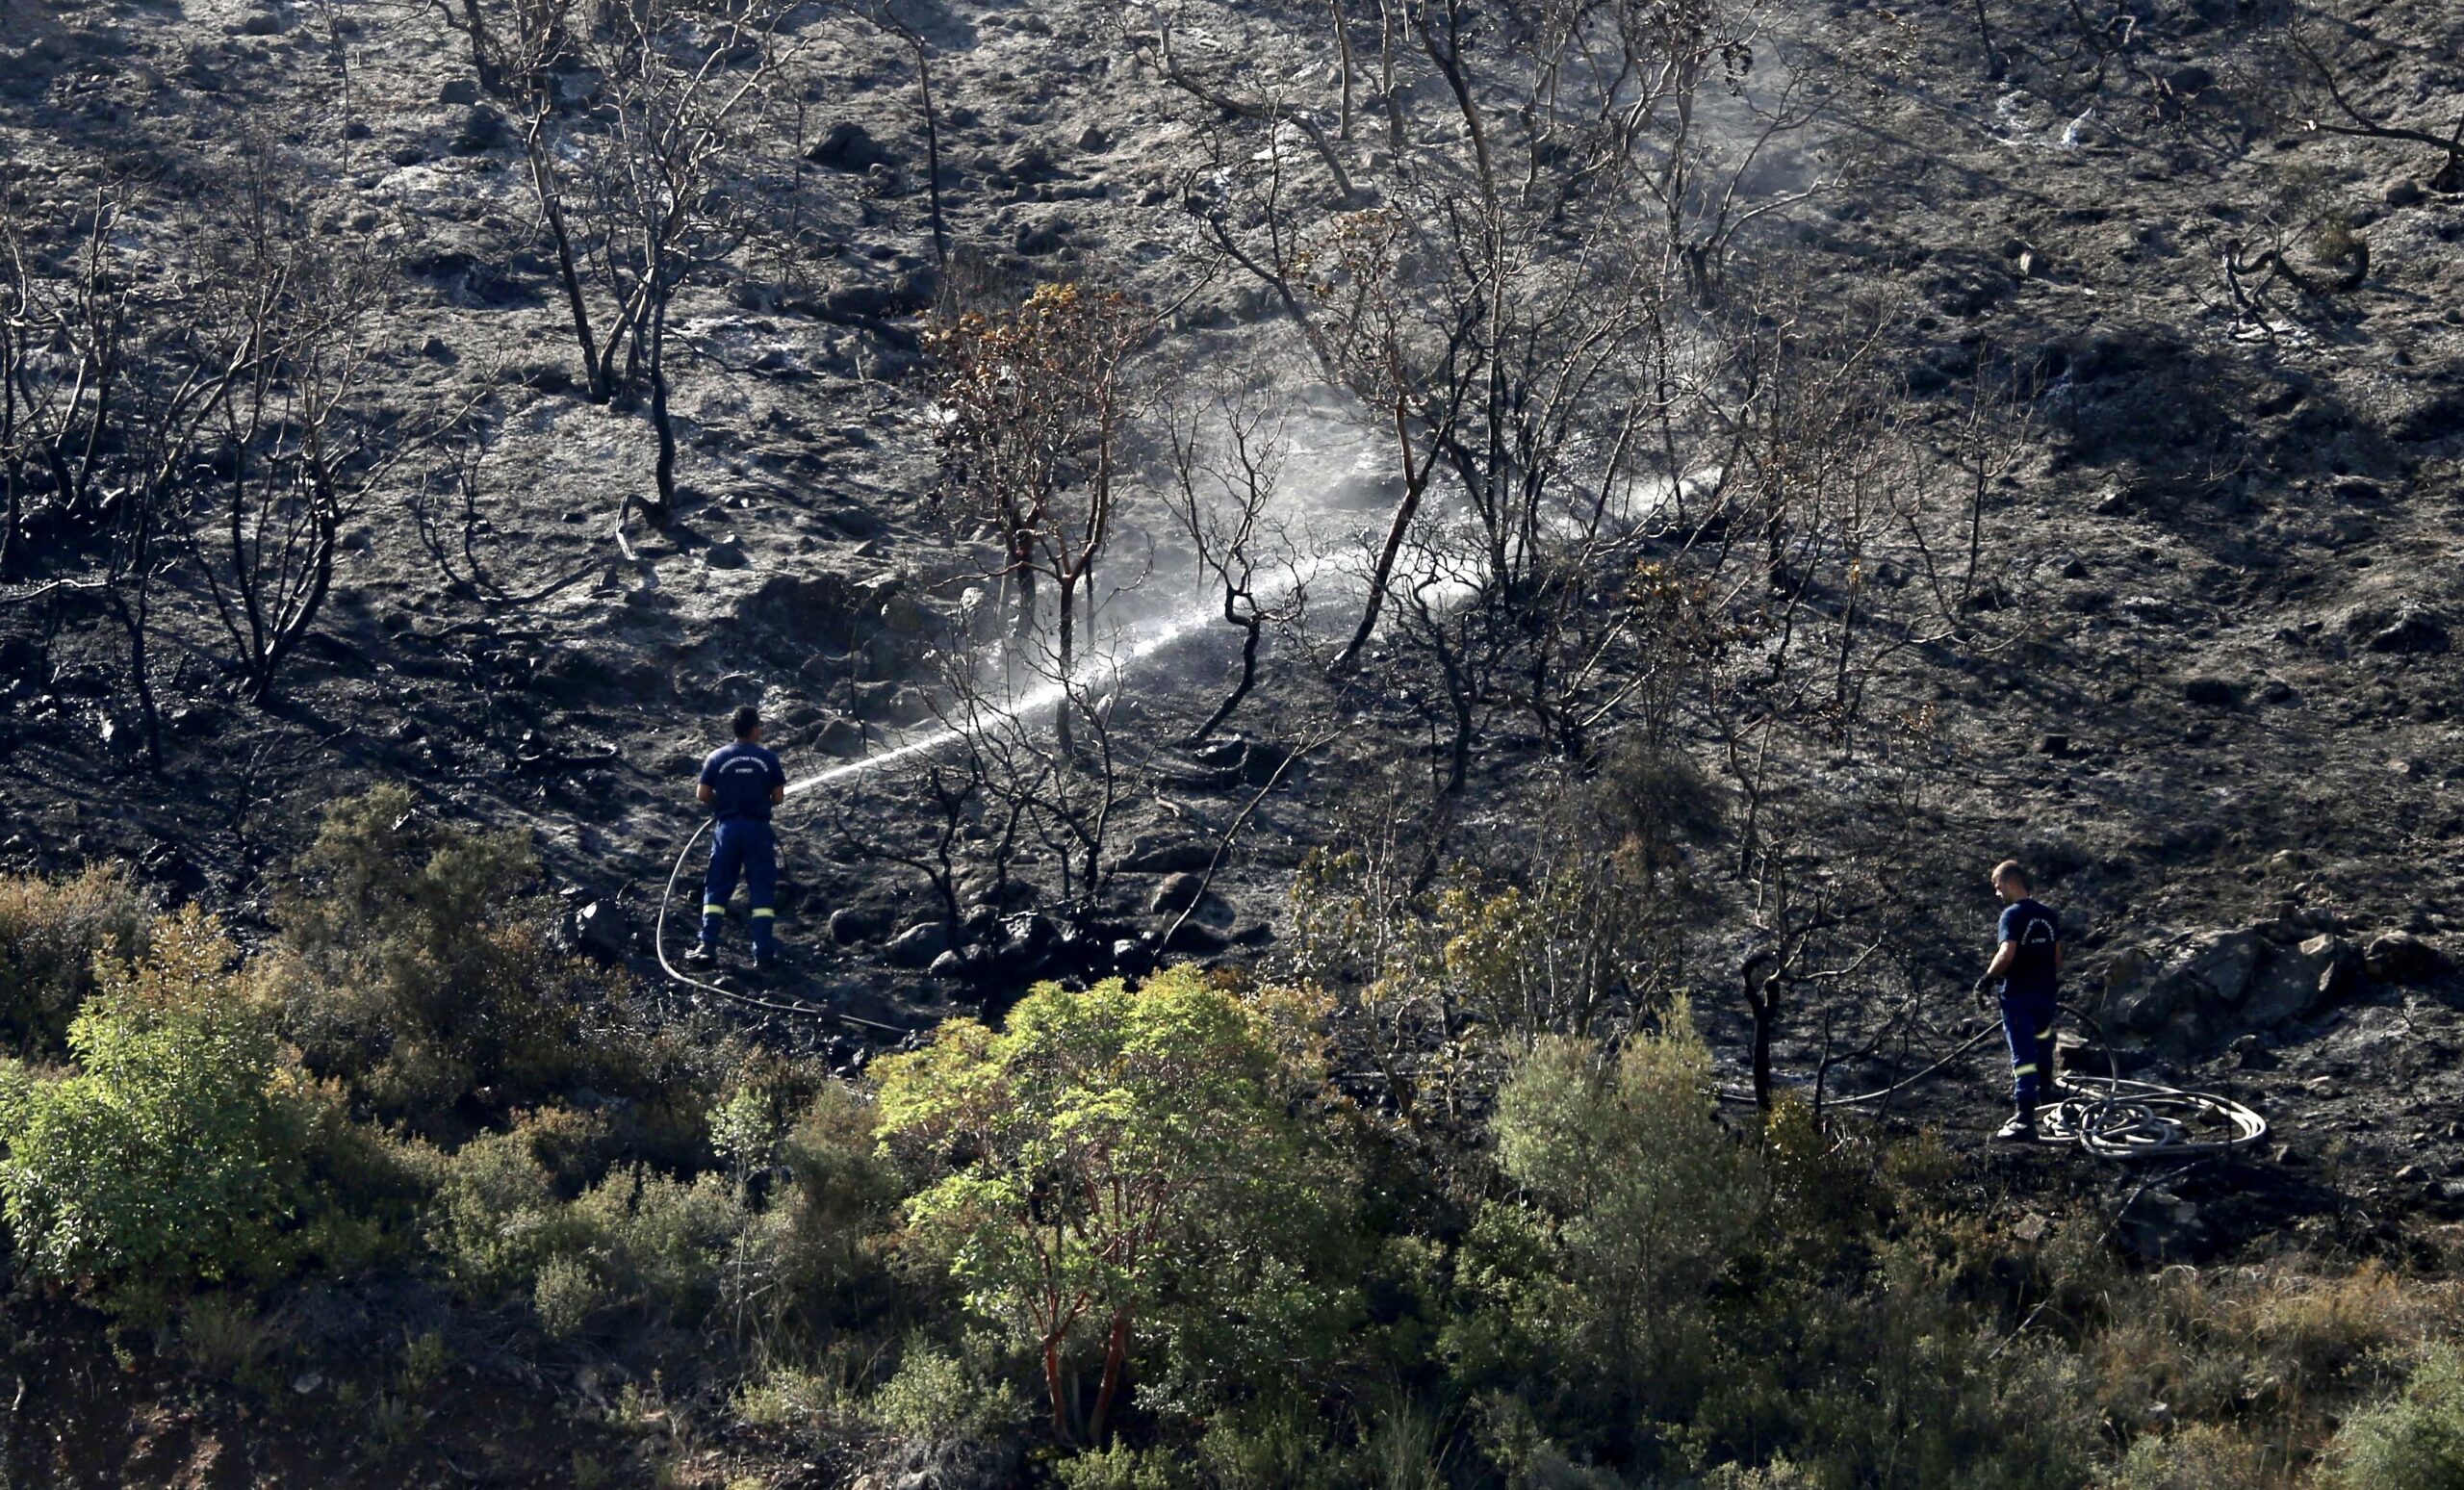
{"points": [[746, 720], [2011, 869]]}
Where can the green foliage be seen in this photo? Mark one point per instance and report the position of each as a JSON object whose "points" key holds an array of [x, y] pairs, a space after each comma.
{"points": [[421, 969], [567, 1290], [1121, 1467], [1107, 1157], [172, 1153], [2411, 1440], [52, 930], [1640, 1203], [496, 1219], [936, 1396]]}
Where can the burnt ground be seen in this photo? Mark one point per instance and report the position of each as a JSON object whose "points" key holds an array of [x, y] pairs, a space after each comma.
{"points": [[2215, 703]]}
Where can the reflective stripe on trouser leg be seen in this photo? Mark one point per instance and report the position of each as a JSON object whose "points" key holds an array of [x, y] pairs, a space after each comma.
{"points": [[759, 858], [727, 862]]}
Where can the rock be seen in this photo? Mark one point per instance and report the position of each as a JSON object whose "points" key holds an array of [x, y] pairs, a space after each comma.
{"points": [[459, 93], [1093, 139], [2161, 1226], [482, 130], [2210, 692], [1160, 854], [2403, 192], [601, 930], [2164, 990], [847, 145], [1177, 893], [919, 944], [2295, 981], [850, 924], [951, 965], [811, 607], [1195, 940], [2411, 634], [841, 737], [1041, 236], [2401, 957]]}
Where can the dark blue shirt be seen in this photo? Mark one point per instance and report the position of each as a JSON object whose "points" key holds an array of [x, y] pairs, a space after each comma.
{"points": [[740, 777], [2031, 924]]}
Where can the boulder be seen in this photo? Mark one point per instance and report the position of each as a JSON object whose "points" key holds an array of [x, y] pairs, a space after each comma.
{"points": [[1195, 940], [2295, 981], [2412, 633], [854, 923], [841, 737], [2401, 957], [847, 145], [1162, 854], [2210, 692], [2149, 991], [1177, 893], [919, 944]]}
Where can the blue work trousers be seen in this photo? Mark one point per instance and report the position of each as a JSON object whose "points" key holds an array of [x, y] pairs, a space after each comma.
{"points": [[742, 846], [2027, 1023]]}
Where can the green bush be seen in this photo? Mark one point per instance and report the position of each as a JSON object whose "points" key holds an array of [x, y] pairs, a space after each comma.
{"points": [[1121, 1468], [496, 1218], [419, 969], [2413, 1440], [171, 1154], [936, 1396], [51, 932], [1113, 1161], [1639, 1201]]}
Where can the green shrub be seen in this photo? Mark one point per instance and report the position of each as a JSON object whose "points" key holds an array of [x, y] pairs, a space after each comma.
{"points": [[496, 1218], [421, 968], [2412, 1440], [1120, 1158], [169, 1155], [936, 1396], [51, 932], [818, 1403], [1121, 1468], [567, 1290], [1640, 1202], [668, 1242]]}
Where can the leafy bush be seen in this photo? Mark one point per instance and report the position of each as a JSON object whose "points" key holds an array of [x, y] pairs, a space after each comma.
{"points": [[51, 932], [496, 1218], [2413, 1440], [171, 1154], [420, 969], [1109, 1158], [936, 1396], [1641, 1203]]}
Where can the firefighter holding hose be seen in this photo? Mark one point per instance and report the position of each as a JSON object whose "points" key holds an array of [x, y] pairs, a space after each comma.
{"points": [[2025, 971], [740, 784]]}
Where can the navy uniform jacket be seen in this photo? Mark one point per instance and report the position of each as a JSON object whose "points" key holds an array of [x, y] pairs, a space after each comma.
{"points": [[740, 777], [2031, 924]]}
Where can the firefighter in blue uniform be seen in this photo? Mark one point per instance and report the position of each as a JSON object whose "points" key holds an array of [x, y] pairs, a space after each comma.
{"points": [[2026, 969], [740, 784]]}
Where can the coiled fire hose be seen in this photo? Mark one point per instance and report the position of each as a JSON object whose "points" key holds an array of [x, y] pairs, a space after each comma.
{"points": [[2114, 1119]]}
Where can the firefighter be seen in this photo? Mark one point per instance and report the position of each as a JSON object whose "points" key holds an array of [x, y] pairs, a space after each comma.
{"points": [[2026, 968], [740, 784]]}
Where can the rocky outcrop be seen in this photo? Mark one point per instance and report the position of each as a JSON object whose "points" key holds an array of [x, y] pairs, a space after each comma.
{"points": [[2208, 987]]}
